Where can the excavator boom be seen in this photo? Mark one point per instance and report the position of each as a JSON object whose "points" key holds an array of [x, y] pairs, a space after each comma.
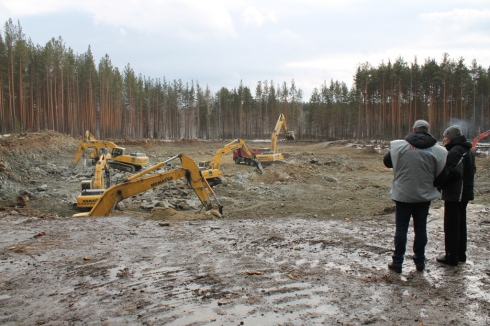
{"points": [[273, 155], [212, 170], [142, 182], [89, 137], [215, 162], [102, 173], [92, 189], [477, 138], [281, 123], [100, 147]]}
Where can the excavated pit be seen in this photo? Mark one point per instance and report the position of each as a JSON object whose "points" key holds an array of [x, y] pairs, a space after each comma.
{"points": [[305, 243]]}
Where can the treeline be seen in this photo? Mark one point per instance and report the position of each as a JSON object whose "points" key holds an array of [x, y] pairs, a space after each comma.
{"points": [[51, 87]]}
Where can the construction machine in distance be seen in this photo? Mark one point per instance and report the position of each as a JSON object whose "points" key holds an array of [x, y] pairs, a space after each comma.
{"points": [[115, 155], [477, 138], [96, 152], [93, 189], [241, 156], [143, 181], [211, 170], [272, 154]]}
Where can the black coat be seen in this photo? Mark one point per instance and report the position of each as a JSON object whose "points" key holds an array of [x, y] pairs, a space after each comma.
{"points": [[456, 187]]}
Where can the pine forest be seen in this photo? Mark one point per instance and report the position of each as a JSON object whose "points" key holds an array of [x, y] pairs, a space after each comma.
{"points": [[52, 88]]}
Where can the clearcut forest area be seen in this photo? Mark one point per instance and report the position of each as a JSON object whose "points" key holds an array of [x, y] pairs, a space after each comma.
{"points": [[305, 243]]}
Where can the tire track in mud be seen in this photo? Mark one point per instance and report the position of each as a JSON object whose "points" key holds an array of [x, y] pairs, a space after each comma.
{"points": [[287, 271]]}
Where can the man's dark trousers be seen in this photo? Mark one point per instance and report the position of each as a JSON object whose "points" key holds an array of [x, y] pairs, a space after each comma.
{"points": [[419, 212], [455, 230]]}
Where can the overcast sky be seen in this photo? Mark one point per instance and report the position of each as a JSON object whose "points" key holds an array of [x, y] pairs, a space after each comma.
{"points": [[220, 42]]}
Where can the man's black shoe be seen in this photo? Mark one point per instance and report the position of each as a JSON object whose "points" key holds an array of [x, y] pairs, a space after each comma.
{"points": [[443, 260], [395, 268], [420, 268]]}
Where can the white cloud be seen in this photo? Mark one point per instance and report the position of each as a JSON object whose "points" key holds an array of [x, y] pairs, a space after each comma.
{"points": [[17, 8], [458, 20], [190, 17], [223, 41], [255, 17], [459, 32], [289, 38], [336, 66]]}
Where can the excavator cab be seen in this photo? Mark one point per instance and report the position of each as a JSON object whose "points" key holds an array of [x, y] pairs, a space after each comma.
{"points": [[117, 151], [203, 165], [130, 163]]}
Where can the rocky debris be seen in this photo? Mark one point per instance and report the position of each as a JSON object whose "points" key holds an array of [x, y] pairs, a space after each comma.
{"points": [[170, 214], [22, 201], [121, 206], [321, 179], [329, 179]]}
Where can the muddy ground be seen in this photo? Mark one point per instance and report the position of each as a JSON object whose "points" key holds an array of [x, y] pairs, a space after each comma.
{"points": [[306, 243]]}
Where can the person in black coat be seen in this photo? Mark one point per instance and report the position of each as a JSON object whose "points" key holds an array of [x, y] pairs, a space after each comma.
{"points": [[456, 183]]}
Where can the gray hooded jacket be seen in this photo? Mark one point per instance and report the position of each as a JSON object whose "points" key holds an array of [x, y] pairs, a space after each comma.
{"points": [[416, 162]]}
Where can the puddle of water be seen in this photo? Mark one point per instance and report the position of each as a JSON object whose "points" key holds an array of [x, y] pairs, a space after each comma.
{"points": [[211, 315], [297, 299], [205, 314]]}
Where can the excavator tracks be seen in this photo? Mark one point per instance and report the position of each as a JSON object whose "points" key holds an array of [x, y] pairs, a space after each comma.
{"points": [[123, 167]]}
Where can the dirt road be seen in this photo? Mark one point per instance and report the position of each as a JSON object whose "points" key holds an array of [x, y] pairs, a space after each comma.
{"points": [[306, 243]]}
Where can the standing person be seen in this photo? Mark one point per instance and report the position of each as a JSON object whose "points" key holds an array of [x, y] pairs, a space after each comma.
{"points": [[416, 161], [457, 184]]}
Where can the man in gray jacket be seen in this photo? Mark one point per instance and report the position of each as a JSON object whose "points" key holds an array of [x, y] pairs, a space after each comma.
{"points": [[416, 161]]}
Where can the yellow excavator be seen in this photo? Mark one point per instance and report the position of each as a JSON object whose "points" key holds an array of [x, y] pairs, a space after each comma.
{"points": [[211, 170], [273, 155], [93, 189], [143, 181], [95, 153], [116, 156]]}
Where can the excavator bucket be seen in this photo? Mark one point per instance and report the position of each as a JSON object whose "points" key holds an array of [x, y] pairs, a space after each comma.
{"points": [[290, 135], [259, 165]]}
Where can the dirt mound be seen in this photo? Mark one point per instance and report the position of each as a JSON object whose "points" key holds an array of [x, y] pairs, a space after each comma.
{"points": [[23, 211], [33, 140]]}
